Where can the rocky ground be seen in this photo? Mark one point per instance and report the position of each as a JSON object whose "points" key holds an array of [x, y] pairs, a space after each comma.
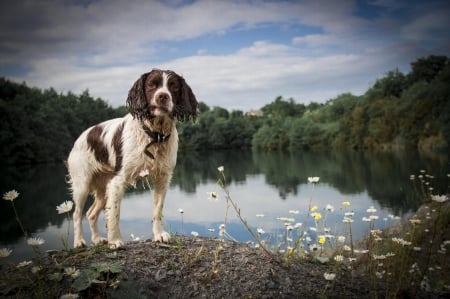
{"points": [[197, 267], [191, 268]]}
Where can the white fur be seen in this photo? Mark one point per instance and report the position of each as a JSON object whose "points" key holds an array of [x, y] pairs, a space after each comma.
{"points": [[89, 176], [107, 182]]}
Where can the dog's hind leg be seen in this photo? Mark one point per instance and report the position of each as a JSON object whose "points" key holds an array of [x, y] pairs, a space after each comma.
{"points": [[92, 216], [80, 194]]}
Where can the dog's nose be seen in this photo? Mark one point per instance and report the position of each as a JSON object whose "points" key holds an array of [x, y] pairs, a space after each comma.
{"points": [[162, 98]]}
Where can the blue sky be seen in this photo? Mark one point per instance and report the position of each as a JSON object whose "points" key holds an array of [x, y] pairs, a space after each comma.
{"points": [[234, 54]]}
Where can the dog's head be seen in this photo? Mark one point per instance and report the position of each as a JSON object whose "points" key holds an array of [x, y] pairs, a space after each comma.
{"points": [[161, 93]]}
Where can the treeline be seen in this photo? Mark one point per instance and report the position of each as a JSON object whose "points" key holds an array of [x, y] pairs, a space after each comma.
{"points": [[399, 111], [41, 125]]}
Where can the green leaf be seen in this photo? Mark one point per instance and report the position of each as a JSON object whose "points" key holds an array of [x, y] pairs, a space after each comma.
{"points": [[85, 280], [105, 268], [56, 276]]}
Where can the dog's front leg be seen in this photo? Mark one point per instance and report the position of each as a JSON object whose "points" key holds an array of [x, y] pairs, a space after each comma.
{"points": [[161, 185], [115, 191]]}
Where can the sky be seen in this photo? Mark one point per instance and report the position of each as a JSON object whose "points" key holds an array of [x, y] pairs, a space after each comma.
{"points": [[234, 54]]}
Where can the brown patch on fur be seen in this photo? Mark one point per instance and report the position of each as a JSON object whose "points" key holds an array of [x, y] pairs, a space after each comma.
{"points": [[162, 124], [98, 188], [185, 103], [95, 143], [117, 145]]}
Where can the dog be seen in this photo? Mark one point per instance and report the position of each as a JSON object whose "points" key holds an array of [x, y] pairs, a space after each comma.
{"points": [[110, 156]]}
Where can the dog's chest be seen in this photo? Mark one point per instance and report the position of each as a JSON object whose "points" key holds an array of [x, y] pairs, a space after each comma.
{"points": [[158, 146]]}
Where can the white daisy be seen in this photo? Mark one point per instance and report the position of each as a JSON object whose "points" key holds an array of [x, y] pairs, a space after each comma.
{"points": [[10, 195], [35, 241], [65, 207], [4, 252]]}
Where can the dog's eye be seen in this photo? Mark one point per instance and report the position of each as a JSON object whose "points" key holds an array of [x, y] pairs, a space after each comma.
{"points": [[152, 85], [174, 87]]}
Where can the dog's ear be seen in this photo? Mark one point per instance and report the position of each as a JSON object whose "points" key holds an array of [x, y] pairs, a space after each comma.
{"points": [[137, 102], [187, 106]]}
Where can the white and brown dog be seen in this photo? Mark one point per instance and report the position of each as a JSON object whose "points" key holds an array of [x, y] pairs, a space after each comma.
{"points": [[109, 157]]}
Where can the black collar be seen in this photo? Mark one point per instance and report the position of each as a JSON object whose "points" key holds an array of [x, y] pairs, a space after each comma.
{"points": [[156, 137]]}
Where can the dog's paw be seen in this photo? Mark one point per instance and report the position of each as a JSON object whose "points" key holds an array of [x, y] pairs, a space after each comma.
{"points": [[99, 240], [79, 243], [116, 244], [161, 237]]}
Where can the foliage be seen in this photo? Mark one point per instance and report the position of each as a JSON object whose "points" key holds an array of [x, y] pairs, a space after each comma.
{"points": [[41, 125], [218, 129], [398, 111]]}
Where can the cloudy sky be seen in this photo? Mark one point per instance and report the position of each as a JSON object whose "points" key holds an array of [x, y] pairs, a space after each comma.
{"points": [[234, 54]]}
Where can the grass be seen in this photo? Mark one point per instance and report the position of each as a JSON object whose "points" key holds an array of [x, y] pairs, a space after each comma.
{"points": [[410, 255], [413, 257]]}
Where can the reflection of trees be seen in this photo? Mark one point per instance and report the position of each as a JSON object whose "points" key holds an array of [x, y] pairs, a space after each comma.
{"points": [[288, 171], [197, 167], [385, 176], [389, 181], [41, 189]]}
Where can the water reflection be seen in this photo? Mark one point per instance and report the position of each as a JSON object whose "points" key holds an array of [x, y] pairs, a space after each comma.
{"points": [[385, 176], [41, 189], [269, 183]]}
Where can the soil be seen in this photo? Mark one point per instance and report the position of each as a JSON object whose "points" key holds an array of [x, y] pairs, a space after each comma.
{"points": [[197, 267]]}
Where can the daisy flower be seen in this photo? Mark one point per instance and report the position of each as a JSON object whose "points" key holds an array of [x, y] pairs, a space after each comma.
{"points": [[330, 208], [313, 179], [72, 272], [339, 258], [371, 210], [4, 252], [24, 264], [329, 276], [35, 241], [439, 198], [317, 216], [10, 195], [222, 230], [65, 207], [220, 169], [347, 220]]}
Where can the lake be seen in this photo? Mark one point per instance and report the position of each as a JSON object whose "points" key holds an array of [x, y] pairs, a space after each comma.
{"points": [[271, 184]]}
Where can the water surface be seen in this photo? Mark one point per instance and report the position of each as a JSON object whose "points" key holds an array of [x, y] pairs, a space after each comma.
{"points": [[271, 184]]}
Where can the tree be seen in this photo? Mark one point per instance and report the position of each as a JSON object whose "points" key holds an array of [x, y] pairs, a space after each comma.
{"points": [[391, 85], [428, 68]]}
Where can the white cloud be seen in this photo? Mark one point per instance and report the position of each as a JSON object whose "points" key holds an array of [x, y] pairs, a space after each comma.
{"points": [[105, 46]]}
